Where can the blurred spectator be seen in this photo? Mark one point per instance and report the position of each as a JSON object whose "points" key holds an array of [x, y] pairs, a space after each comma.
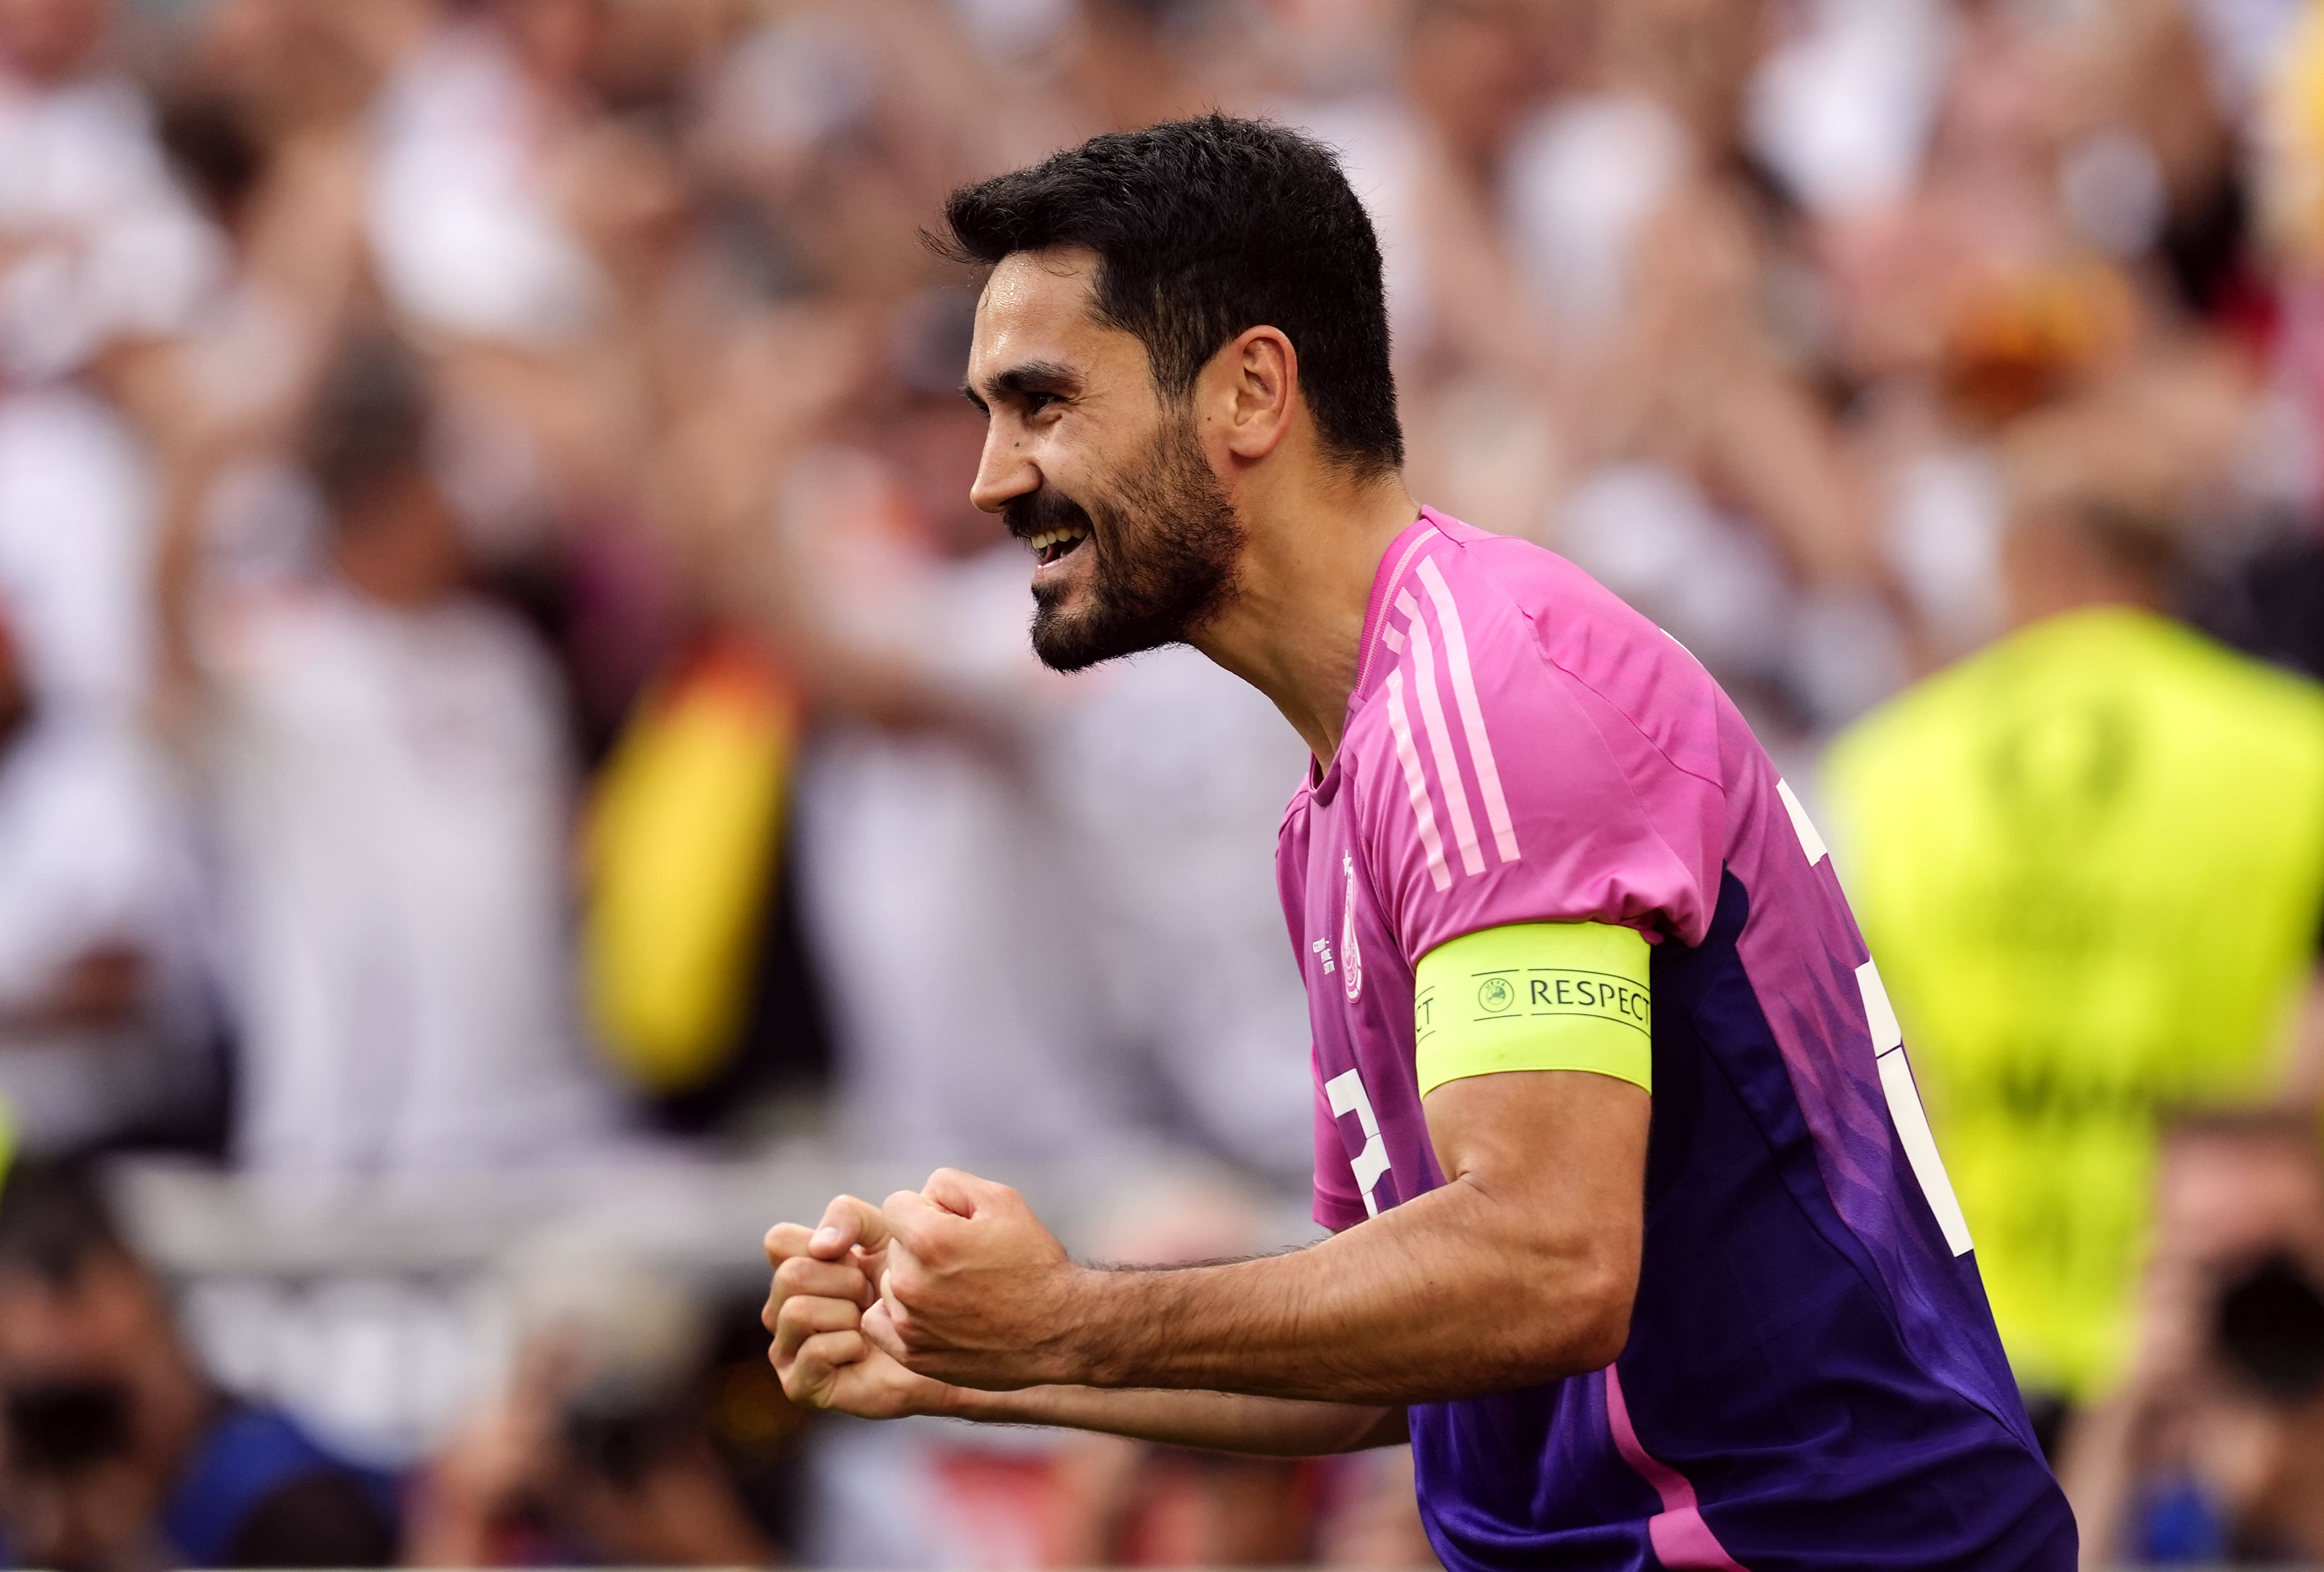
{"points": [[463, 218], [100, 245], [2212, 1451], [389, 783], [598, 1451], [97, 1001], [99, 251], [2041, 844], [100, 254], [118, 1452]]}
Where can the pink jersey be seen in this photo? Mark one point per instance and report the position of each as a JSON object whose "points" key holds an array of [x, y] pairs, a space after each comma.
{"points": [[1812, 1377]]}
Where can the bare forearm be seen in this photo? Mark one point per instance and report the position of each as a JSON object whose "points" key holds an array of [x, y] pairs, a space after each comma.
{"points": [[1519, 1269], [1220, 1421], [1434, 1298]]}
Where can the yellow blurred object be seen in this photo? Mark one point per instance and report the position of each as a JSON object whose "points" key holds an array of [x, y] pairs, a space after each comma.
{"points": [[681, 849]]}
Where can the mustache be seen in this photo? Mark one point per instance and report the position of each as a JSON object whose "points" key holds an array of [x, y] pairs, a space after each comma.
{"points": [[1036, 512]]}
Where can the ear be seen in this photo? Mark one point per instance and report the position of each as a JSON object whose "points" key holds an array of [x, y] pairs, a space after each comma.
{"points": [[1255, 388]]}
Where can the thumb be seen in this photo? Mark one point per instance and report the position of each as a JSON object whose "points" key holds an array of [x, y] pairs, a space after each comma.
{"points": [[880, 1330], [848, 1222]]}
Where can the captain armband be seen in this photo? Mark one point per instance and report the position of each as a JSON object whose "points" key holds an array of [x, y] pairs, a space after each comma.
{"points": [[1535, 995]]}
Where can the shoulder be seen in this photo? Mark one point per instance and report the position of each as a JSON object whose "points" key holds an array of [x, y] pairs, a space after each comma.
{"points": [[498, 647], [249, 1459], [2114, 655], [1544, 624], [1532, 750], [2272, 695]]}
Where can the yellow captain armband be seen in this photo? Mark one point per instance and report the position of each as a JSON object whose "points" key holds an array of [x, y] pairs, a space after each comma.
{"points": [[1534, 996]]}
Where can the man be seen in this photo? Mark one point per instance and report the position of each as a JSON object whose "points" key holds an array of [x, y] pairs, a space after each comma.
{"points": [[1538, 871], [2046, 842]]}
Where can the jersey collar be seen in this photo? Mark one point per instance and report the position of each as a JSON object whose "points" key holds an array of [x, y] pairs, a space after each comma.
{"points": [[1394, 563]]}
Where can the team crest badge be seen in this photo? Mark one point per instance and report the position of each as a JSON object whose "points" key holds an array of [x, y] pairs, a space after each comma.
{"points": [[1351, 960]]}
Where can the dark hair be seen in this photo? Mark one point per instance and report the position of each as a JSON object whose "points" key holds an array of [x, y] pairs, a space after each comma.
{"points": [[369, 422], [53, 1221], [1204, 228]]}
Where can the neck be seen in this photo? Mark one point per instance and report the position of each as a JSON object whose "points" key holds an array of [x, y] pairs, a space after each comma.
{"points": [[1296, 626], [2048, 575]]}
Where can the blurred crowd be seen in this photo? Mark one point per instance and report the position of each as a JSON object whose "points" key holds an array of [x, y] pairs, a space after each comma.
{"points": [[498, 670]]}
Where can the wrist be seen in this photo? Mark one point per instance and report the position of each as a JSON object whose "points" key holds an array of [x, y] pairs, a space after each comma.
{"points": [[1089, 1349], [973, 1403]]}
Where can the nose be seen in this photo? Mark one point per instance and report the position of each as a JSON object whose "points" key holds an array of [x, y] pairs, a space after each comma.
{"points": [[1003, 470]]}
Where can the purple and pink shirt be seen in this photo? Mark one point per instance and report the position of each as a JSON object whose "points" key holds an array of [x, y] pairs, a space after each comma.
{"points": [[1811, 1379]]}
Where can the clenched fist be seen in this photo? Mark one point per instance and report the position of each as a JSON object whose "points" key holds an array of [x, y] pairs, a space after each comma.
{"points": [[973, 1290], [824, 1279]]}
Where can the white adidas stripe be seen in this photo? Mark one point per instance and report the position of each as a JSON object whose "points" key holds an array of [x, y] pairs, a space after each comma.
{"points": [[1440, 738], [1473, 715], [1904, 1109], [1415, 783]]}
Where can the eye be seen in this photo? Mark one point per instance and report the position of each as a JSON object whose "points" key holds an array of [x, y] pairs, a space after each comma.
{"points": [[1035, 403]]}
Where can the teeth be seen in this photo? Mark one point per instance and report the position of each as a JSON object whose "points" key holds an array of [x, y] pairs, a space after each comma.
{"points": [[1049, 537]]}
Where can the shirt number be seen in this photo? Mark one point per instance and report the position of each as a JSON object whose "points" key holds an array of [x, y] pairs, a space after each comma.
{"points": [[1346, 1092]]}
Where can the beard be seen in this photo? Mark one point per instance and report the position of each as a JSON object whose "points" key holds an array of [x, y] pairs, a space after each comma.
{"points": [[1167, 540]]}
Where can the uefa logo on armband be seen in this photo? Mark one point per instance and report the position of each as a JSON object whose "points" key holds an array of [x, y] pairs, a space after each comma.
{"points": [[1352, 961]]}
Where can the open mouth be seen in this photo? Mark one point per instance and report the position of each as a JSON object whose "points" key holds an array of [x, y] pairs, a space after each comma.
{"points": [[1054, 545]]}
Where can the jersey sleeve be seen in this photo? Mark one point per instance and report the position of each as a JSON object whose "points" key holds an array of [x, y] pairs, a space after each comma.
{"points": [[1512, 791]]}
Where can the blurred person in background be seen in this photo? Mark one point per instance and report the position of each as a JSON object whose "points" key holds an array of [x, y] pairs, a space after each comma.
{"points": [[119, 1454], [2211, 1451], [98, 1013], [462, 208], [2066, 221], [1592, 289], [1709, 478], [598, 1451], [101, 252], [383, 755], [2043, 842]]}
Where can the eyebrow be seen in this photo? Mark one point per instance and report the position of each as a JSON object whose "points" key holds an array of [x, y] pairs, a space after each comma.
{"points": [[1032, 376]]}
